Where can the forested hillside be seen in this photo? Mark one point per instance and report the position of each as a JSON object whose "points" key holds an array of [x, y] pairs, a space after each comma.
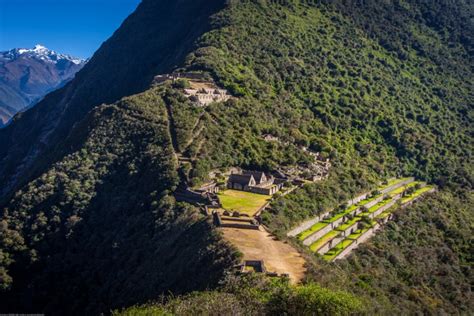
{"points": [[381, 88], [102, 215]]}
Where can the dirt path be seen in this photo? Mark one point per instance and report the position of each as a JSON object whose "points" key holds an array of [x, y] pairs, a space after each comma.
{"points": [[260, 245]]}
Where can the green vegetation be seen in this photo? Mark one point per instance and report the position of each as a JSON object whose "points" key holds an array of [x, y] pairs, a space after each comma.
{"points": [[404, 188], [416, 194], [381, 88], [348, 224], [323, 240], [104, 209], [419, 261], [316, 227], [392, 182], [254, 295], [243, 202], [331, 254]]}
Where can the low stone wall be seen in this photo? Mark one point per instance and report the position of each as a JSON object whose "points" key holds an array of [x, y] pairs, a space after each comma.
{"points": [[239, 226], [385, 207], [397, 185], [349, 229], [260, 210], [374, 202], [330, 244], [358, 199], [237, 219], [306, 225], [364, 237], [417, 198]]}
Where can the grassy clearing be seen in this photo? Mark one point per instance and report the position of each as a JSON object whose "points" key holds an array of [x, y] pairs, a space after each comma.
{"points": [[323, 240], [242, 202]]}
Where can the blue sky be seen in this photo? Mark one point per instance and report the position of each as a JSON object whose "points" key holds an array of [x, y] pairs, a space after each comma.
{"points": [[75, 27]]}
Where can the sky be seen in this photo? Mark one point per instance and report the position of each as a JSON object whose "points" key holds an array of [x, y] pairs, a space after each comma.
{"points": [[74, 27]]}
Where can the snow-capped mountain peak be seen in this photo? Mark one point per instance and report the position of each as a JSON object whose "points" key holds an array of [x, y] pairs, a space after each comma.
{"points": [[40, 52], [28, 74]]}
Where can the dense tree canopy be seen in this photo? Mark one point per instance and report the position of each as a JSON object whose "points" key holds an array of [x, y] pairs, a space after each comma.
{"points": [[382, 88]]}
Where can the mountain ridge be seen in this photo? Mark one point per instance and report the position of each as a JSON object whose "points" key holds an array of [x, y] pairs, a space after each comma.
{"points": [[61, 109], [27, 75]]}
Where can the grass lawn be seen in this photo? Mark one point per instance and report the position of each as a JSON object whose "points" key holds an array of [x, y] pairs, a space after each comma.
{"points": [[242, 202], [312, 230], [323, 240]]}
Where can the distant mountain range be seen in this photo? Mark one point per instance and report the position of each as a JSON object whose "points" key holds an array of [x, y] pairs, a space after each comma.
{"points": [[27, 75]]}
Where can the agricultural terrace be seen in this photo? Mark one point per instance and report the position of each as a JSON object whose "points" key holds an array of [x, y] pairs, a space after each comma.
{"points": [[404, 188], [416, 194], [392, 181], [242, 202], [392, 191], [320, 225]]}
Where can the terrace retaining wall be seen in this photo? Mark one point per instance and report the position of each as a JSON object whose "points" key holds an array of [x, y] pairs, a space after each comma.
{"points": [[397, 185], [315, 236], [364, 237], [358, 199], [330, 244], [385, 207], [307, 224], [417, 198], [349, 229]]}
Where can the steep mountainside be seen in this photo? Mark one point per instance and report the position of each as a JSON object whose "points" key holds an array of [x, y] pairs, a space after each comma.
{"points": [[105, 79], [27, 75], [382, 89]]}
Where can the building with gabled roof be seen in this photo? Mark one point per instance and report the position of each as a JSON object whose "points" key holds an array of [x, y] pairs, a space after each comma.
{"points": [[254, 181]]}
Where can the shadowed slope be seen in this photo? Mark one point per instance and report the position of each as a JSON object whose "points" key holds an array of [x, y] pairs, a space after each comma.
{"points": [[154, 39]]}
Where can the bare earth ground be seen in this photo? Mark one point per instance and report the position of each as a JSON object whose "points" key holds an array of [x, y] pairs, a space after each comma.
{"points": [[201, 85], [260, 245]]}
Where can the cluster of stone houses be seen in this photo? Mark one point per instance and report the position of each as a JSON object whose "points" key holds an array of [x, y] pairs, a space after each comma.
{"points": [[202, 92], [179, 75], [255, 182], [314, 171], [206, 96]]}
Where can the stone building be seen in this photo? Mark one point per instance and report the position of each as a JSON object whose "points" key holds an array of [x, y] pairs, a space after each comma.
{"points": [[254, 181], [206, 96]]}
